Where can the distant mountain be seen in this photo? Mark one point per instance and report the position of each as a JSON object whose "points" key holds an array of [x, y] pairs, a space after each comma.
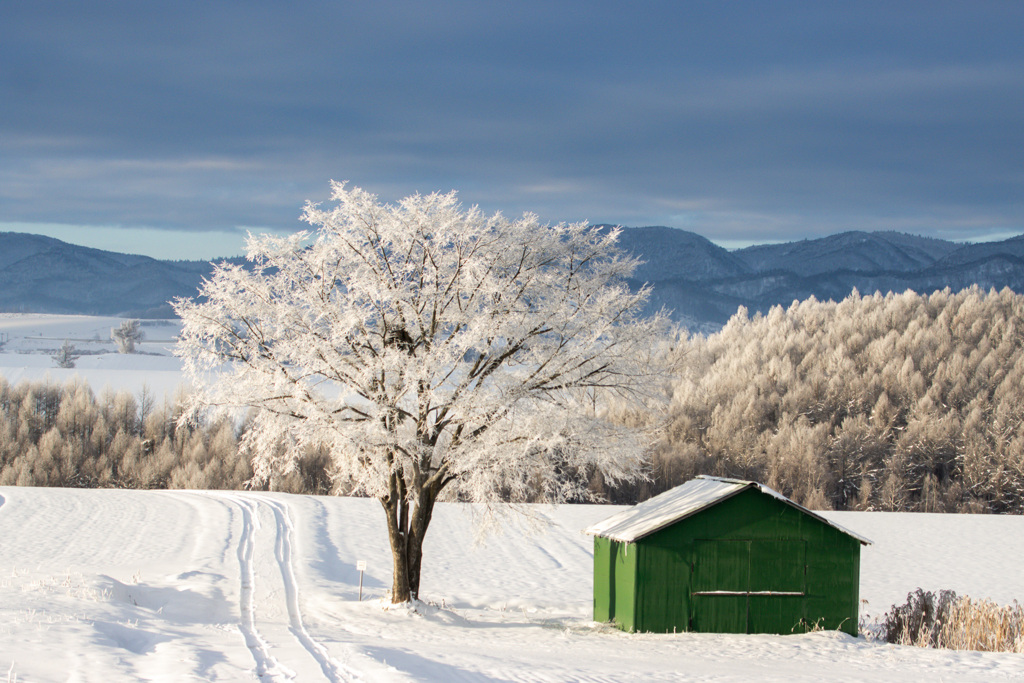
{"points": [[701, 283], [45, 275], [705, 287], [983, 251], [855, 251], [667, 252]]}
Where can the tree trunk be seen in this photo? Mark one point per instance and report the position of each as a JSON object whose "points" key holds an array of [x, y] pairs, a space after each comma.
{"points": [[407, 527], [417, 532], [395, 510]]}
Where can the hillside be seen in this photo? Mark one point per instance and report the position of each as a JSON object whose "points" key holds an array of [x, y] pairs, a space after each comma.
{"points": [[667, 253], [976, 253], [705, 294], [902, 402], [864, 252], [45, 275], [701, 283], [114, 585]]}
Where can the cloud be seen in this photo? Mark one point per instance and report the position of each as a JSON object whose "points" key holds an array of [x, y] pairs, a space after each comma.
{"points": [[782, 120]]}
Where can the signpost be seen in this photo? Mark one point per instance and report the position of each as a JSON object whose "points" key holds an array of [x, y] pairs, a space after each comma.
{"points": [[361, 566]]}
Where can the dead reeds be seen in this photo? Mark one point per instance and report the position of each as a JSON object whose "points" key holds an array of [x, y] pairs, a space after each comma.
{"points": [[947, 620]]}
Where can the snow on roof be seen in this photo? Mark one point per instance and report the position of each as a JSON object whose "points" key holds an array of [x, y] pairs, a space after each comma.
{"points": [[683, 501]]}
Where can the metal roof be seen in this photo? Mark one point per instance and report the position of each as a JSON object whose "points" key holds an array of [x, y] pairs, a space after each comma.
{"points": [[683, 501]]}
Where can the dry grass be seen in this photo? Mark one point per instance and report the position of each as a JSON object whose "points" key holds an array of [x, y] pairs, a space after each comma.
{"points": [[955, 622]]}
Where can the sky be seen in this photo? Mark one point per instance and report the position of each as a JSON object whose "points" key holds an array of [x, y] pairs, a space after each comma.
{"points": [[173, 128]]}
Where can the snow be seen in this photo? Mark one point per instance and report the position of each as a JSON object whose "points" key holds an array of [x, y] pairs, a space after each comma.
{"points": [[39, 332], [112, 585], [681, 502], [27, 342], [664, 509]]}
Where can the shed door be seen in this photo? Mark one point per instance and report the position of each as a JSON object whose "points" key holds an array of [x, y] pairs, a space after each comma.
{"points": [[751, 586]]}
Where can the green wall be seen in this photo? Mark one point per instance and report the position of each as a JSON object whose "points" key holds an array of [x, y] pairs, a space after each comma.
{"points": [[615, 573], [749, 543]]}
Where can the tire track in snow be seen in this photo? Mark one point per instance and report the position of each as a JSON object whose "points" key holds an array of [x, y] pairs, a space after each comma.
{"points": [[267, 666], [334, 670]]}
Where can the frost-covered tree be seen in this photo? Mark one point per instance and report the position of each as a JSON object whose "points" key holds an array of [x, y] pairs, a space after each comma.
{"points": [[430, 350], [53, 435], [126, 336], [895, 402], [66, 355]]}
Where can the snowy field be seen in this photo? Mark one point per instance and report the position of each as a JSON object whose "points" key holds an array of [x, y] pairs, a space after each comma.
{"points": [[28, 342], [111, 585]]}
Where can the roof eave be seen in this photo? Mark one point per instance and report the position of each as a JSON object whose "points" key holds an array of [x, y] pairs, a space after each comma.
{"points": [[674, 520]]}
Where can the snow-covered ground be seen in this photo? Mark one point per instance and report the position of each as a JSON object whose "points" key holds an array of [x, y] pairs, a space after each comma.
{"points": [[114, 585], [111, 585], [28, 342]]}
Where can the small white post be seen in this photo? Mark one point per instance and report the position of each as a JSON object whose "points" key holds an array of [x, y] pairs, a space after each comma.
{"points": [[361, 566]]}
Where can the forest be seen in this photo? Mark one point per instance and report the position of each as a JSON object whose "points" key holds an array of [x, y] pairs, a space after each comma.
{"points": [[66, 436], [894, 402], [876, 402]]}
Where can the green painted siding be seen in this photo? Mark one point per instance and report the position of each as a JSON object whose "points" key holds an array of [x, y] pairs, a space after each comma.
{"points": [[604, 595], [740, 567], [615, 582], [662, 605], [714, 571]]}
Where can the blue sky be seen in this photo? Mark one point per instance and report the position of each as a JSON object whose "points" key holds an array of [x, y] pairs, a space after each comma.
{"points": [[171, 128]]}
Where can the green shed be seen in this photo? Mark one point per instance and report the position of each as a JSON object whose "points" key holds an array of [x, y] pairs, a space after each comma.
{"points": [[725, 556]]}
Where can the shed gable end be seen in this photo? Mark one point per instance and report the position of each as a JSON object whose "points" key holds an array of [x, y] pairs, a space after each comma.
{"points": [[749, 563]]}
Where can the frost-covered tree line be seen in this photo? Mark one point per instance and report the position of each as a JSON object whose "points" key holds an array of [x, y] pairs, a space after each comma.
{"points": [[65, 435], [896, 402]]}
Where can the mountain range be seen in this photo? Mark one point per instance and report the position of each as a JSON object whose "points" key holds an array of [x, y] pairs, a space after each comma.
{"points": [[704, 284], [45, 275], [701, 283]]}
